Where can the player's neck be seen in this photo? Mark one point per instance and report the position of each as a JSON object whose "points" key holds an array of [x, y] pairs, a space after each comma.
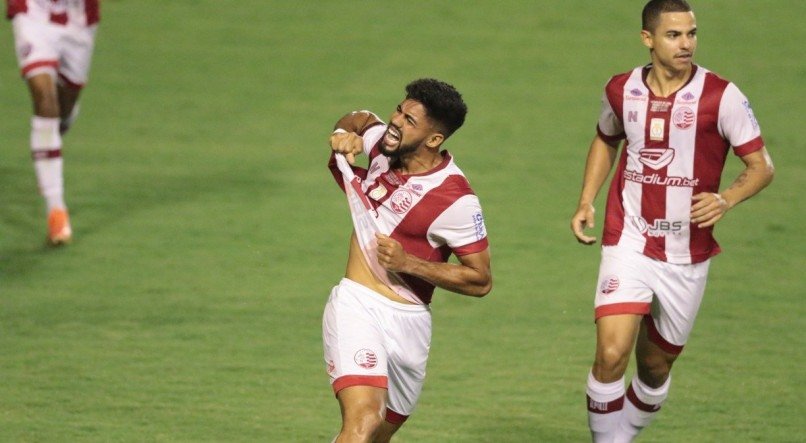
{"points": [[664, 82], [418, 162]]}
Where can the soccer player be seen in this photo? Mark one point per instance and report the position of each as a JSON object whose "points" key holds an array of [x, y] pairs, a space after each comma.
{"points": [[377, 321], [679, 122], [54, 41]]}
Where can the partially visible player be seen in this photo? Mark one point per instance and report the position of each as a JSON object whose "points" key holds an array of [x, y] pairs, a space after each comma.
{"points": [[679, 122], [377, 334], [54, 41]]}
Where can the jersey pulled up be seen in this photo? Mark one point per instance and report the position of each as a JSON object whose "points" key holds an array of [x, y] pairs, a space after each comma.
{"points": [[432, 215], [675, 148], [59, 12]]}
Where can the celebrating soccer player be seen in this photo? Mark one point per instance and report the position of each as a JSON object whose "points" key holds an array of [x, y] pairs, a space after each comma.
{"points": [[54, 41], [679, 121], [412, 208]]}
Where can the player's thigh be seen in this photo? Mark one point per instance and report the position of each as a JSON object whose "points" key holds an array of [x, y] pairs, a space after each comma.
{"points": [[362, 403], [679, 290], [35, 44], [44, 95], [409, 346], [354, 348], [75, 55], [623, 285]]}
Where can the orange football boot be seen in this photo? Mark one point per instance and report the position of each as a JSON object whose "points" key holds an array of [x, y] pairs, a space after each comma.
{"points": [[59, 231]]}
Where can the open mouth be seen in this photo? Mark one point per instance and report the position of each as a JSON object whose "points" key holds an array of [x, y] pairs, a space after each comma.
{"points": [[392, 136]]}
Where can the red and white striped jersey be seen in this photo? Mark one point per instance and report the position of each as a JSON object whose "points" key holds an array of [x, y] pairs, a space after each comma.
{"points": [[675, 148], [432, 214], [62, 12]]}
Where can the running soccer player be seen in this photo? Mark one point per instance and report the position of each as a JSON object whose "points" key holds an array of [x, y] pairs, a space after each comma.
{"points": [[54, 40], [679, 122], [412, 208]]}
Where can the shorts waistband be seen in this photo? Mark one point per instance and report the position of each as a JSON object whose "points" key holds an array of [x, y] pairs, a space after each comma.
{"points": [[378, 298]]}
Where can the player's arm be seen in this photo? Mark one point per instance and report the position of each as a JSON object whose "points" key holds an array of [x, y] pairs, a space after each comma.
{"points": [[346, 137], [601, 157], [708, 208], [472, 276]]}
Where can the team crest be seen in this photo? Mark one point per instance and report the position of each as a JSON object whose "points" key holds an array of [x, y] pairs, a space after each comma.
{"points": [[656, 158], [366, 359], [683, 118], [401, 201]]}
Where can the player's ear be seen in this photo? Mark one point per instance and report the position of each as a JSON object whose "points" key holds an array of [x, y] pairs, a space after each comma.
{"points": [[646, 39], [434, 140]]}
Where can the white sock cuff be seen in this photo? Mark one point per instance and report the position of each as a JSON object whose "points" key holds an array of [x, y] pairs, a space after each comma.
{"points": [[45, 133], [604, 392], [649, 395]]}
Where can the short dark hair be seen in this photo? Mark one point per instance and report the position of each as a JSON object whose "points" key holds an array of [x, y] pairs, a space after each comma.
{"points": [[650, 16], [442, 102]]}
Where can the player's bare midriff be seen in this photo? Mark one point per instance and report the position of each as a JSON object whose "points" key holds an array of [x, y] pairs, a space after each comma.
{"points": [[359, 272]]}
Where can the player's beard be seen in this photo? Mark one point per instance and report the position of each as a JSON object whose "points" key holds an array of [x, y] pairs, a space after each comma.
{"points": [[402, 150]]}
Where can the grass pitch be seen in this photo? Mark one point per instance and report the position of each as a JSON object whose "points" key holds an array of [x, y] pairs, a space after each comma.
{"points": [[209, 231]]}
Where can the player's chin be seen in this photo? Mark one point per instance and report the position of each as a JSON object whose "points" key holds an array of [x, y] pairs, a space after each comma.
{"points": [[388, 150]]}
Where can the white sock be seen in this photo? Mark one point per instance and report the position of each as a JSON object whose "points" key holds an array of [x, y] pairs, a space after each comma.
{"points": [[46, 150], [605, 402], [643, 403]]}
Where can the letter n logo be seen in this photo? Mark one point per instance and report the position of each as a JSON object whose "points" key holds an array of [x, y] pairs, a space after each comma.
{"points": [[632, 116]]}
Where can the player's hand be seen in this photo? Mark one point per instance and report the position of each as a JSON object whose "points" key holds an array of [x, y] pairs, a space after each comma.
{"points": [[390, 253], [583, 219], [707, 209], [348, 143]]}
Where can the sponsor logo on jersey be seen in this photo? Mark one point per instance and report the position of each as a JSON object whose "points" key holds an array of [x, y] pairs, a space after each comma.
{"points": [[330, 366], [635, 94], [660, 227], [656, 158], [366, 358], [750, 114], [478, 224], [688, 98], [609, 284], [683, 118], [659, 106], [657, 179], [392, 178], [656, 129], [401, 201]]}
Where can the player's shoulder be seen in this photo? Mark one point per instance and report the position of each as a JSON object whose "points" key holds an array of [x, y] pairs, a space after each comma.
{"points": [[622, 77]]}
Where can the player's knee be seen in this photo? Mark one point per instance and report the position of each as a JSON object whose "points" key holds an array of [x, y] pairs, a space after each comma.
{"points": [[362, 423], [611, 362], [654, 370]]}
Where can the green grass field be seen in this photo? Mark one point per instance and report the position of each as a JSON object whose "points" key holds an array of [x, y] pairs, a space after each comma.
{"points": [[209, 231]]}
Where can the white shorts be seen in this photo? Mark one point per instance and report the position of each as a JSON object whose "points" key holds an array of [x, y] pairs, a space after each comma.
{"points": [[45, 47], [370, 340], [669, 295]]}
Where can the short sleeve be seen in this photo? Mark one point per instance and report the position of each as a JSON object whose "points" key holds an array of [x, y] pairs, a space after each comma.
{"points": [[737, 123], [609, 127], [461, 227]]}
